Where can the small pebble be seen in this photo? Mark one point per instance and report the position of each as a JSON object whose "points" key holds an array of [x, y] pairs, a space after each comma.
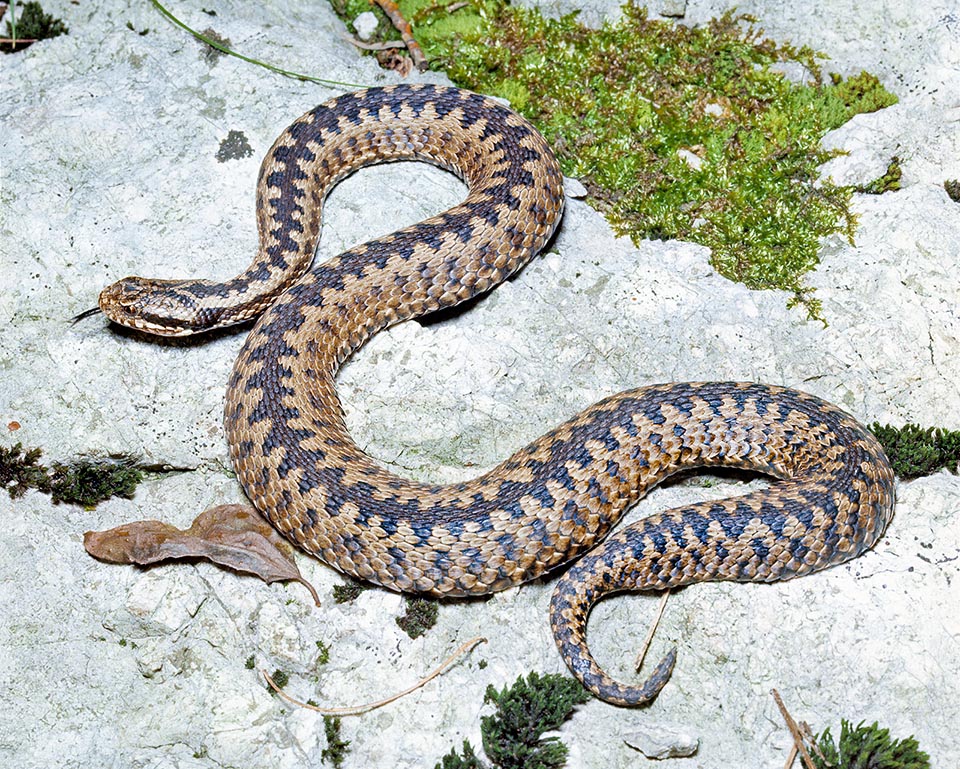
{"points": [[690, 158], [365, 24], [675, 9], [663, 741]]}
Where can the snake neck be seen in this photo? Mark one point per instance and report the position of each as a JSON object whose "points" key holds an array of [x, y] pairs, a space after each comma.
{"points": [[486, 145]]}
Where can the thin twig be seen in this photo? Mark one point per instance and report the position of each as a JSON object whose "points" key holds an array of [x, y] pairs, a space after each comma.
{"points": [[653, 629], [403, 27], [791, 756], [356, 710], [384, 46], [15, 40], [794, 731], [456, 6]]}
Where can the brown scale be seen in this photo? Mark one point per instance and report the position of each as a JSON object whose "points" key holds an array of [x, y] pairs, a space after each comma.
{"points": [[547, 504]]}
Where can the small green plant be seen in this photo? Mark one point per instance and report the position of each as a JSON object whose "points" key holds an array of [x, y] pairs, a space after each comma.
{"points": [[866, 747], [85, 482], [336, 750], [251, 663], [348, 591], [323, 653], [280, 678], [454, 760], [420, 616], [889, 182], [20, 470], [512, 735], [32, 25], [917, 451], [952, 187]]}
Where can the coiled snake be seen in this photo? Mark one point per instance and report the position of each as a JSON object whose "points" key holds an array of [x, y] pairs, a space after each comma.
{"points": [[552, 501]]}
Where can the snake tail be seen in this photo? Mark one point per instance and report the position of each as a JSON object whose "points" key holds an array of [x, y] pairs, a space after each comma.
{"points": [[831, 499]]}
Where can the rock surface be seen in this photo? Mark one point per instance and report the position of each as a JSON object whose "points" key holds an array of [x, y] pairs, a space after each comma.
{"points": [[109, 153], [658, 740]]}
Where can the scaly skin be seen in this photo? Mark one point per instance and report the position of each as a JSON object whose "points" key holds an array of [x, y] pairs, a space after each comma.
{"points": [[554, 500]]}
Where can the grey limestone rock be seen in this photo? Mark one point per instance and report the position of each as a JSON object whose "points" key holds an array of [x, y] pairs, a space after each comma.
{"points": [[109, 168]]}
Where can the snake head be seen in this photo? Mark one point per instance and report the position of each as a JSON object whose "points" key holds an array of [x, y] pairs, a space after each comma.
{"points": [[160, 307]]}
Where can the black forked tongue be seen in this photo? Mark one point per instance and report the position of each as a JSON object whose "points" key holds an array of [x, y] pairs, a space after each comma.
{"points": [[84, 314]]}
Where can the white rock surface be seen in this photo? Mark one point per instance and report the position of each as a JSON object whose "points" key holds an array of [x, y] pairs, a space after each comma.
{"points": [[108, 157]]}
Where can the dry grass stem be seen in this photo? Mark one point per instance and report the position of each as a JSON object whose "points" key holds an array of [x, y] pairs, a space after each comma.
{"points": [[357, 710], [641, 655], [795, 733]]}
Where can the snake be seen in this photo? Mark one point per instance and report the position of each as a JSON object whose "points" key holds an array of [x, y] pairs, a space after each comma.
{"points": [[552, 506]]}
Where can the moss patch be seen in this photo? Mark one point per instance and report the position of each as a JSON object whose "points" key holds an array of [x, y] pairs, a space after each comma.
{"points": [[323, 653], [866, 747], [28, 21], [336, 750], [85, 482], [281, 678], [20, 470], [420, 616], [676, 132], [234, 147], [889, 182], [916, 451], [454, 760], [952, 187], [348, 591], [512, 735]]}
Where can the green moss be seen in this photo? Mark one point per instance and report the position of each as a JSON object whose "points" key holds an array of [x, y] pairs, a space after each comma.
{"points": [[952, 187], [250, 664], [454, 760], [29, 22], [348, 591], [512, 734], [336, 750], [280, 678], [20, 470], [625, 107], [916, 451], [420, 616], [889, 182], [867, 747], [83, 482], [88, 482], [323, 653]]}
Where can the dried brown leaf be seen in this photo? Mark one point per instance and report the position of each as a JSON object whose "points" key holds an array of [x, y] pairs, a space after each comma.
{"points": [[234, 536]]}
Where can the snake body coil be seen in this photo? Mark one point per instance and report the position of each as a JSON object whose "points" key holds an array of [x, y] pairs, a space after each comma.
{"points": [[552, 501]]}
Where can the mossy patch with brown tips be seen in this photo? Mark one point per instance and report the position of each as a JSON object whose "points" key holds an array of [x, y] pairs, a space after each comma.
{"points": [[421, 615], [85, 482]]}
